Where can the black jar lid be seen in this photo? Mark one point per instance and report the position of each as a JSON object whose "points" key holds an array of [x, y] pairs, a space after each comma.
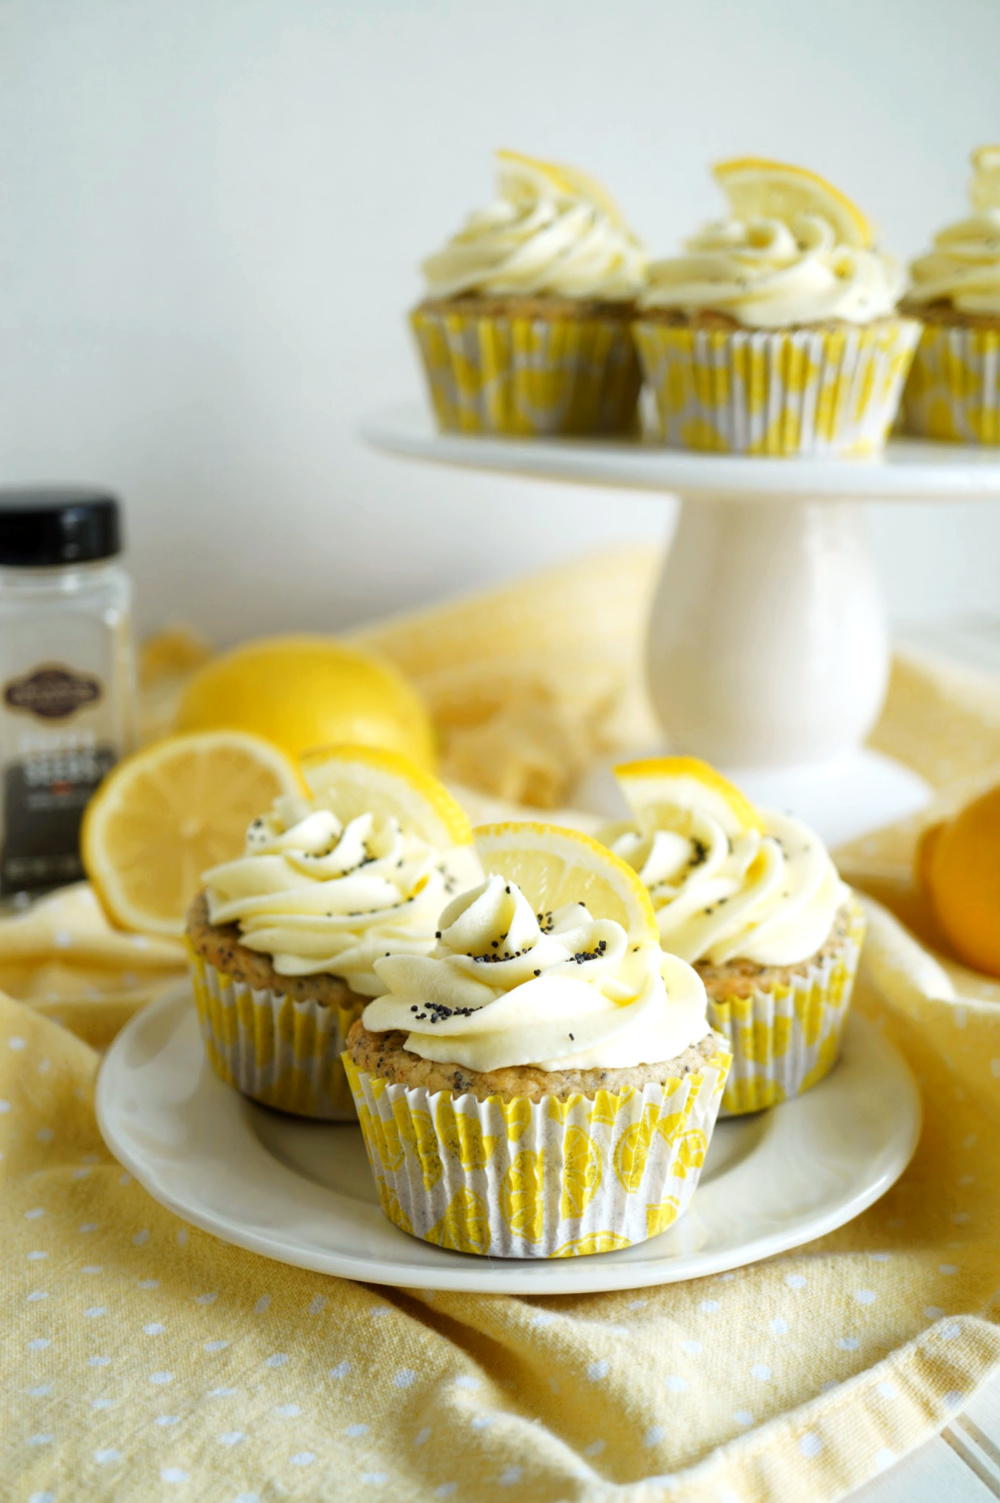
{"points": [[42, 526]]}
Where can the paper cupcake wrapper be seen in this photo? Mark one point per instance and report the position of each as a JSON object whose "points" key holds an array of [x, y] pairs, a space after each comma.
{"points": [[800, 391], [529, 376], [557, 1178], [275, 1049], [784, 1041], [953, 391]]}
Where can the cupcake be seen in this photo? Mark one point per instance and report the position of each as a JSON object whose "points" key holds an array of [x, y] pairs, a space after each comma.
{"points": [[953, 391], [283, 941], [524, 328], [776, 332], [753, 901], [544, 1083]]}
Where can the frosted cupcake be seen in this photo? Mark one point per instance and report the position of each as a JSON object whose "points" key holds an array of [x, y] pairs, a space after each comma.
{"points": [[524, 328], [283, 941], [544, 1083], [954, 387], [753, 901], [776, 331]]}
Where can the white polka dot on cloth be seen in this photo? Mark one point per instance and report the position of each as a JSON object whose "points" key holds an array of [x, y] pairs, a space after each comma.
{"points": [[795, 1281], [161, 1378], [172, 1474], [422, 1436], [341, 1370], [675, 1383], [598, 1370], [848, 1343], [810, 1443], [262, 1305], [654, 1435], [510, 1476], [761, 1372], [708, 1306], [355, 1430], [594, 1448], [865, 1296], [287, 1411], [404, 1378], [779, 1327], [742, 1417], [303, 1458], [105, 1456], [277, 1359], [317, 1304], [231, 1437]]}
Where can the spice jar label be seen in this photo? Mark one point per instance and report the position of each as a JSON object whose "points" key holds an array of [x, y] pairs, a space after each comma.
{"points": [[52, 692]]}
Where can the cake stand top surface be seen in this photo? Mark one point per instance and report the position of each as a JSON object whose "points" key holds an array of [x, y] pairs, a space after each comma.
{"points": [[909, 470]]}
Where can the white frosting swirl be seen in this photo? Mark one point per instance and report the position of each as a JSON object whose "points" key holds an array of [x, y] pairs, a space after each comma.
{"points": [[768, 898], [506, 986], [322, 897], [963, 269], [553, 244], [767, 274]]}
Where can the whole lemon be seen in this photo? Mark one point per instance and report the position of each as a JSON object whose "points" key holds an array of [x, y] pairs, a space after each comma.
{"points": [[959, 863], [302, 692]]}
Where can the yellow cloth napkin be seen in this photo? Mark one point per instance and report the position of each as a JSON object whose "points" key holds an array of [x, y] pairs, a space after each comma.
{"points": [[141, 1358]]}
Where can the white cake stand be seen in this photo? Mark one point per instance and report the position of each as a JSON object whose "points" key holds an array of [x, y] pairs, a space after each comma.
{"points": [[767, 652]]}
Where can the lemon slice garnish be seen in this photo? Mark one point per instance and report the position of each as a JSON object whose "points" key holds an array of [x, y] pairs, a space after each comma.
{"points": [[524, 179], [162, 817], [985, 190], [687, 783], [553, 866], [364, 780], [759, 189]]}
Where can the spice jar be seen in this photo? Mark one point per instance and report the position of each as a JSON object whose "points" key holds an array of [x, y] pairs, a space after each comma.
{"points": [[67, 702]]}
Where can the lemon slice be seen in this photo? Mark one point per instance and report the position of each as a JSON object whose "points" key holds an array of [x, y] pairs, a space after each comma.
{"points": [[524, 179], [553, 866], [364, 780], [687, 783], [758, 189], [162, 817]]}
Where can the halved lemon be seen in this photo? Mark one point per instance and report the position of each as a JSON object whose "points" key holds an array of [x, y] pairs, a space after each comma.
{"points": [[163, 816], [525, 179], [759, 189], [553, 866], [687, 783], [365, 780]]}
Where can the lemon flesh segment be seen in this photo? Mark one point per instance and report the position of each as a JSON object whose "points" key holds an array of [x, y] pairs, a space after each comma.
{"points": [[760, 189], [525, 179], [687, 783], [163, 816], [553, 866], [364, 780]]}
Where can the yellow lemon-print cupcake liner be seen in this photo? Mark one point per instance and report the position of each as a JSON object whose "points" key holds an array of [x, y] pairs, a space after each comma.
{"points": [[529, 376], [556, 1178], [785, 1040], [799, 391], [277, 1050], [953, 391]]}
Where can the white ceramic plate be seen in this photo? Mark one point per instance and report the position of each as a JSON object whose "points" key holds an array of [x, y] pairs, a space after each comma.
{"points": [[302, 1193], [909, 470]]}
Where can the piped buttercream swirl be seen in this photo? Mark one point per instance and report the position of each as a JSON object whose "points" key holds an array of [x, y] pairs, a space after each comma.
{"points": [[506, 986], [769, 274], [963, 268], [543, 240], [770, 897], [321, 896]]}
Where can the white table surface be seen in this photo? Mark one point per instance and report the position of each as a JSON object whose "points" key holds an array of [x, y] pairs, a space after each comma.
{"points": [[962, 1464]]}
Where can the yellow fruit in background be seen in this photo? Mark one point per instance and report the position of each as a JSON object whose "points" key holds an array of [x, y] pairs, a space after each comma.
{"points": [[303, 692], [959, 864], [163, 816]]}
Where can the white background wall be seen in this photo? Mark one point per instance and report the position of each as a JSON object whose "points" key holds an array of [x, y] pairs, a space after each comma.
{"points": [[214, 209]]}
